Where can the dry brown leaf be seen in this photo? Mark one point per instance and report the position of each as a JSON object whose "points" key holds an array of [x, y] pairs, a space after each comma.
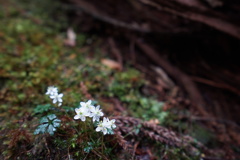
{"points": [[72, 56], [71, 38], [153, 121], [111, 64]]}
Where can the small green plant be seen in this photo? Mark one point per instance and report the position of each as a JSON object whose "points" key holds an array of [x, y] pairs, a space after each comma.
{"points": [[152, 109], [49, 123], [88, 148], [33, 54], [88, 124], [42, 108]]}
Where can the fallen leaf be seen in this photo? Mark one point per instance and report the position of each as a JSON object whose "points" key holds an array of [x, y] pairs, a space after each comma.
{"points": [[71, 38], [72, 56], [154, 121], [111, 64]]}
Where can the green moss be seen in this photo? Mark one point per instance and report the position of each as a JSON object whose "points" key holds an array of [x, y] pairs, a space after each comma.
{"points": [[32, 57], [202, 134]]}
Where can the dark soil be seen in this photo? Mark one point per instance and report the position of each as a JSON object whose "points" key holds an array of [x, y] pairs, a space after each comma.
{"points": [[207, 56]]}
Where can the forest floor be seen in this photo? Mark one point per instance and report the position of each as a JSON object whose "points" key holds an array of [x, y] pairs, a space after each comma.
{"points": [[158, 116]]}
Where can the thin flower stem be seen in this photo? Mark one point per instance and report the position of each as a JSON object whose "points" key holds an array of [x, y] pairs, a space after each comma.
{"points": [[102, 143], [63, 110], [86, 156], [123, 137], [99, 154], [85, 127]]}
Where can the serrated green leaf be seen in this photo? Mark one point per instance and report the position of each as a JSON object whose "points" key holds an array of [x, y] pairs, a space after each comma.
{"points": [[48, 124], [42, 108], [52, 116], [51, 129], [41, 129], [56, 123], [37, 131], [44, 120], [68, 109], [43, 126]]}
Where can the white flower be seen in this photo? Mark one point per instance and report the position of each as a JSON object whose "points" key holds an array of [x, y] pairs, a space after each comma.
{"points": [[96, 113], [105, 122], [57, 98], [87, 104], [102, 126], [52, 90], [112, 124], [82, 113]]}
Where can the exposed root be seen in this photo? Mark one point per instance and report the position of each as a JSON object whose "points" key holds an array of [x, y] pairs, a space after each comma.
{"points": [[129, 126]]}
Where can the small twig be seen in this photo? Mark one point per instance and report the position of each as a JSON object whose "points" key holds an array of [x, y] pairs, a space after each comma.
{"points": [[135, 148], [86, 156], [116, 52], [215, 119], [69, 156], [215, 84], [211, 21], [45, 142], [90, 9], [178, 75], [99, 154]]}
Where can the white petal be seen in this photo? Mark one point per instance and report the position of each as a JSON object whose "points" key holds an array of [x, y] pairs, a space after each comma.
{"points": [[98, 129], [91, 108], [54, 101], [60, 95], [108, 126], [98, 107], [82, 104], [97, 119], [90, 115], [114, 126], [104, 131], [83, 118], [52, 96], [89, 102], [76, 117], [86, 114], [77, 110]]}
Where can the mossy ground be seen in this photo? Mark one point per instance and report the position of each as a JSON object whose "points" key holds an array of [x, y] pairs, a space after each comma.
{"points": [[33, 56]]}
